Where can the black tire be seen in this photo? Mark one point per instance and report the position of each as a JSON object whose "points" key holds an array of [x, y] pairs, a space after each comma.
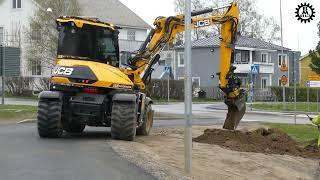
{"points": [[146, 126], [74, 127], [49, 118], [123, 121]]}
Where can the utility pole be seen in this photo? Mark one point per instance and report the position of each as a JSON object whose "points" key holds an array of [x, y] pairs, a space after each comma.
{"points": [[283, 86], [295, 87], [3, 69], [188, 93]]}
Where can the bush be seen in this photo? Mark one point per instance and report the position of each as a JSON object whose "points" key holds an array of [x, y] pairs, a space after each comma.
{"points": [[301, 94], [19, 86]]}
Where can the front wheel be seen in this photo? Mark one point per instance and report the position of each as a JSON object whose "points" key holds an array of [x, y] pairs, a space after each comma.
{"points": [[147, 123]]}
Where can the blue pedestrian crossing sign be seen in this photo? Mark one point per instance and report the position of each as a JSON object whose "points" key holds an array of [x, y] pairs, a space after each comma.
{"points": [[254, 69], [308, 83], [167, 69]]}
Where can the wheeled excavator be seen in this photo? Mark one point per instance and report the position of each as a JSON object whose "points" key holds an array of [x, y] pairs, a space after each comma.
{"points": [[88, 87]]}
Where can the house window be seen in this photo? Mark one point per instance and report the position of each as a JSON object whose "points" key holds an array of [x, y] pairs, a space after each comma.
{"points": [[196, 82], [238, 57], [282, 58], [1, 35], [264, 82], [180, 59], [36, 68], [131, 35], [16, 4], [264, 57]]}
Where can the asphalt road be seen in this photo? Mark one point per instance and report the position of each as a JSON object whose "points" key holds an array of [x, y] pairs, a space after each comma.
{"points": [[24, 156]]}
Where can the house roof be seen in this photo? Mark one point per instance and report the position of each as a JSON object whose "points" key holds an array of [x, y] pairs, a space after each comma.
{"points": [[304, 56], [242, 41], [112, 11]]}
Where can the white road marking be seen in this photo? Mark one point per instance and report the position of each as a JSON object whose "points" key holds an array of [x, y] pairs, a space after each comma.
{"points": [[26, 121]]}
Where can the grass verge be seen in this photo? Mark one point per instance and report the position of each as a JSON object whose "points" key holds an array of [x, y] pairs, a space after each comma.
{"points": [[301, 106], [302, 133], [17, 112]]}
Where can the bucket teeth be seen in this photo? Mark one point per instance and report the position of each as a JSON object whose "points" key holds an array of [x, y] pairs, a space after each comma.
{"points": [[236, 110]]}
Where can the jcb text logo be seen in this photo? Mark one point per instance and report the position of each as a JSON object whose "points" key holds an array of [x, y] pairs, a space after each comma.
{"points": [[202, 23], [63, 71]]}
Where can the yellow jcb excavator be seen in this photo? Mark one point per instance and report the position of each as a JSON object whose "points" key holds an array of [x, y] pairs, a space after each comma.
{"points": [[89, 88]]}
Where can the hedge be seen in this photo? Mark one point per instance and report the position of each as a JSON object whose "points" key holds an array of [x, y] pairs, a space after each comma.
{"points": [[301, 94]]}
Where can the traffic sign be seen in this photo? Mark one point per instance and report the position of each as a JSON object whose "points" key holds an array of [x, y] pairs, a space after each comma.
{"points": [[313, 83], [254, 69], [314, 77], [167, 69], [284, 67], [284, 80]]}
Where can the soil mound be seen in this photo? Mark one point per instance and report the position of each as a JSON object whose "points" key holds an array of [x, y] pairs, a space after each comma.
{"points": [[268, 141]]}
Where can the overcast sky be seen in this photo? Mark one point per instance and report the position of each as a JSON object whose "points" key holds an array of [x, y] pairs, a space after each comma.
{"points": [[296, 35]]}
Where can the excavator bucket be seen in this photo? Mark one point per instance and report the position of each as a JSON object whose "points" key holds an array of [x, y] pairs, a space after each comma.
{"points": [[236, 110]]}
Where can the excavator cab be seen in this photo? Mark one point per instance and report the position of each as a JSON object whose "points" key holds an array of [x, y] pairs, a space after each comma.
{"points": [[87, 41]]}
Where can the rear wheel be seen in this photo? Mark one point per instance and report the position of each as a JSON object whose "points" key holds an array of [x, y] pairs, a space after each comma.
{"points": [[146, 126], [123, 120], [49, 118]]}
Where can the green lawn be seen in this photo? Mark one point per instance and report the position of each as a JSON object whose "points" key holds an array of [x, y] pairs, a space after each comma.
{"points": [[17, 112], [301, 106], [301, 133]]}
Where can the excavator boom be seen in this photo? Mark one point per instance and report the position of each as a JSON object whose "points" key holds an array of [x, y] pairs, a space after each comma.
{"points": [[165, 32]]}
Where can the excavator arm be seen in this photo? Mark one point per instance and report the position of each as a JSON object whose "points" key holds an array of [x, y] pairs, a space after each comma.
{"points": [[166, 30]]}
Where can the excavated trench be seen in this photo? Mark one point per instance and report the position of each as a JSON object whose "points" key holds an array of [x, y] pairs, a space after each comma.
{"points": [[267, 141]]}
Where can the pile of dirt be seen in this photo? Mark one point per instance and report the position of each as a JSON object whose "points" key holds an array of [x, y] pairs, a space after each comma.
{"points": [[268, 141]]}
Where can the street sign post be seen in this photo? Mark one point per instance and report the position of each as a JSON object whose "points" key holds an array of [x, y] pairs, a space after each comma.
{"points": [[167, 70], [254, 70]]}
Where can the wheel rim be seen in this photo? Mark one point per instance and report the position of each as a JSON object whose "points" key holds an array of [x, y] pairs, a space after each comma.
{"points": [[149, 121]]}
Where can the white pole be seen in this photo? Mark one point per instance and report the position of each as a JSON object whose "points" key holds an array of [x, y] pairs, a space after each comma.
{"points": [[188, 94], [168, 87], [3, 72], [283, 88], [295, 89]]}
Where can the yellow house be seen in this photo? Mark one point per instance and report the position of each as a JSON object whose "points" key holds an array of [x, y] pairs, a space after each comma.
{"points": [[305, 71]]}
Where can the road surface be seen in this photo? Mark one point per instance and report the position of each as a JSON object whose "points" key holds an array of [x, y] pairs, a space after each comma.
{"points": [[24, 156]]}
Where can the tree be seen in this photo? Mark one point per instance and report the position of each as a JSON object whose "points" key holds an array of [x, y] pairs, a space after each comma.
{"points": [[315, 55], [179, 9], [42, 37], [252, 23]]}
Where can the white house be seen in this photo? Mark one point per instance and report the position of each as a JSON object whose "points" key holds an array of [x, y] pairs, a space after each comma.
{"points": [[14, 21]]}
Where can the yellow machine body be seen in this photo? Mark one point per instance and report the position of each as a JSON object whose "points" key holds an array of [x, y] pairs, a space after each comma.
{"points": [[107, 75]]}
